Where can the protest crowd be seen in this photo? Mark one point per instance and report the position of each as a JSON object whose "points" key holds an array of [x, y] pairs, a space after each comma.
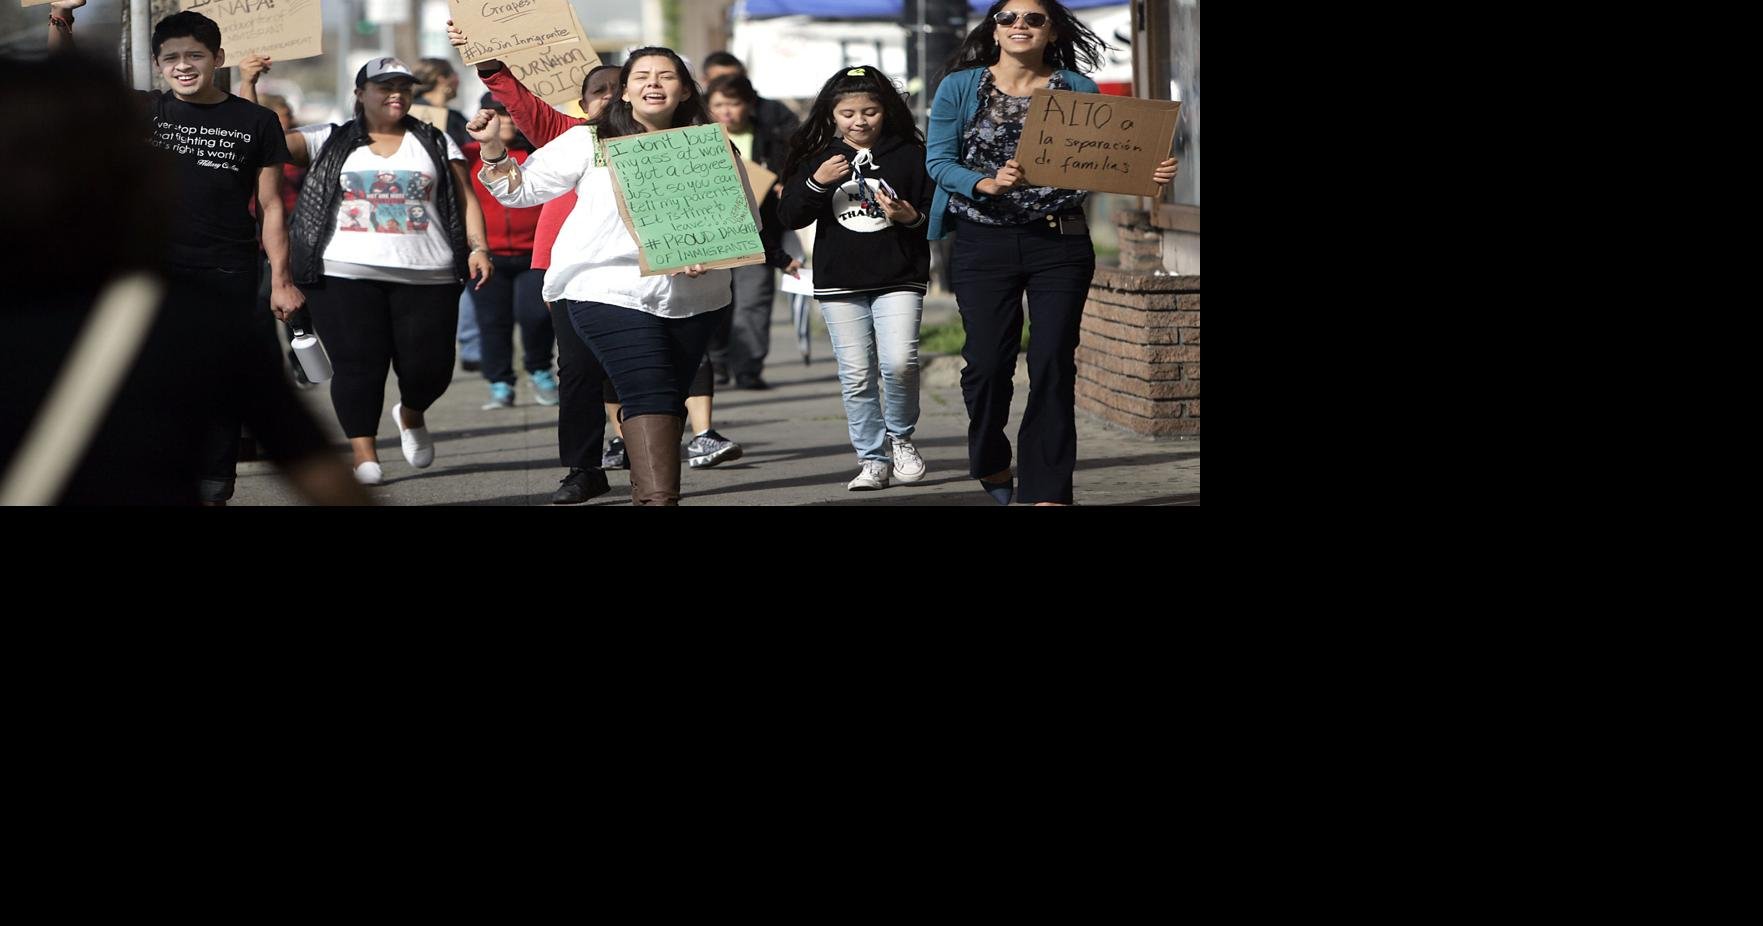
{"points": [[638, 245]]}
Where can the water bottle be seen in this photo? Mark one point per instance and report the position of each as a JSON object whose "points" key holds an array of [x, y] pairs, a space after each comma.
{"points": [[313, 359]]}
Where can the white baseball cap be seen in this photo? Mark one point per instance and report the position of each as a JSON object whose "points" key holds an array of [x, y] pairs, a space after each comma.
{"points": [[381, 69]]}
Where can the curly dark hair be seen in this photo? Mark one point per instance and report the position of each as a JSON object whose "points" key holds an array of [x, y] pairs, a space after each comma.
{"points": [[1074, 46], [819, 130], [617, 120]]}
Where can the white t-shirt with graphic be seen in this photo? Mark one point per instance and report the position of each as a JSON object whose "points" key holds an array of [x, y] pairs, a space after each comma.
{"points": [[387, 228]]}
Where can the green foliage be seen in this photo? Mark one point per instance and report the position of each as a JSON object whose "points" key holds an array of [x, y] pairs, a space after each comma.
{"points": [[949, 337]]}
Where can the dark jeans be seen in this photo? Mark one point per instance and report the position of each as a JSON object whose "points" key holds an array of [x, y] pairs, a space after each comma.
{"points": [[581, 421], [651, 360], [511, 296], [228, 302], [703, 382], [743, 338], [368, 326], [992, 267]]}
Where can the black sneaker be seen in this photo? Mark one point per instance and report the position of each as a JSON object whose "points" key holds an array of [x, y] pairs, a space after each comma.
{"points": [[579, 486], [470, 366], [615, 457], [751, 381]]}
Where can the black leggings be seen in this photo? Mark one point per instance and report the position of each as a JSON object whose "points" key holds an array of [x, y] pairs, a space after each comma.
{"points": [[368, 326]]}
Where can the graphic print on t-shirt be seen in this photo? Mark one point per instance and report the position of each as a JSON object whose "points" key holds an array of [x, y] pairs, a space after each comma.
{"points": [[859, 214], [390, 202]]}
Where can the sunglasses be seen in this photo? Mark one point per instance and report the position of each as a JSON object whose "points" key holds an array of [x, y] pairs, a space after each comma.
{"points": [[1031, 20]]}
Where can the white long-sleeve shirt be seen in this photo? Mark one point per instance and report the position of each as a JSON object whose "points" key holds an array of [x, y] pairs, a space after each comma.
{"points": [[595, 257]]}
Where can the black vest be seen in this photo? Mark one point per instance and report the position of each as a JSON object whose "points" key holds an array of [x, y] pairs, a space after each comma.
{"points": [[315, 215]]}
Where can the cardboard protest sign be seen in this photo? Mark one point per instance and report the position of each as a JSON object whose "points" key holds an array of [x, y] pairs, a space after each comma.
{"points": [[1092, 141], [761, 179], [281, 29], [554, 73], [433, 115], [38, 2], [497, 28], [684, 200]]}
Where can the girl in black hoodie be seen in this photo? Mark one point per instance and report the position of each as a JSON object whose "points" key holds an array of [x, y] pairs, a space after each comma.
{"points": [[857, 168]]}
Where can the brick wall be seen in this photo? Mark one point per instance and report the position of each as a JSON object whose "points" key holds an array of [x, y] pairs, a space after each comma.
{"points": [[1138, 356]]}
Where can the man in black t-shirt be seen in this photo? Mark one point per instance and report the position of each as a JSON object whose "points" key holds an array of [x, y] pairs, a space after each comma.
{"points": [[224, 152]]}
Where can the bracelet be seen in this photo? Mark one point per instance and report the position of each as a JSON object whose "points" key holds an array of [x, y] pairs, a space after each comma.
{"points": [[480, 248], [492, 163], [59, 23]]}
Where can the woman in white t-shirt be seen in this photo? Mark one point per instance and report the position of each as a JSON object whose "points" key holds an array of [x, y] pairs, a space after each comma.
{"points": [[650, 333], [386, 232]]}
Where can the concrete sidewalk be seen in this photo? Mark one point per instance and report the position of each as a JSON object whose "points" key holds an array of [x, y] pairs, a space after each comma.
{"points": [[797, 449]]}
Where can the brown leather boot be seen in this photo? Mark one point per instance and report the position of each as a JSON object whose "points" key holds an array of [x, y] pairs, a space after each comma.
{"points": [[653, 444]]}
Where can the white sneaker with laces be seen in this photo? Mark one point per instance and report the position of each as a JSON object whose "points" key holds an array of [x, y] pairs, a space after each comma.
{"points": [[419, 448], [873, 475], [908, 465], [369, 474]]}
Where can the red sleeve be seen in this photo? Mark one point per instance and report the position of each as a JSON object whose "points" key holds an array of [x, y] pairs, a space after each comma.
{"points": [[538, 120]]}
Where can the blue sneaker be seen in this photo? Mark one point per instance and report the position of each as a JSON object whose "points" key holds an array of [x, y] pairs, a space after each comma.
{"points": [[545, 387], [501, 396]]}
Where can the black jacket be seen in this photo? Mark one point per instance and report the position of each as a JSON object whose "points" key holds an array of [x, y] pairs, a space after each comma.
{"points": [[315, 215], [772, 124], [845, 260]]}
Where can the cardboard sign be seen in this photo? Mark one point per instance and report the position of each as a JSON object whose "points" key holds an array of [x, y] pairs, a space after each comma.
{"points": [[500, 27], [684, 200], [281, 29], [554, 73], [761, 179], [1092, 141], [433, 115], [38, 2]]}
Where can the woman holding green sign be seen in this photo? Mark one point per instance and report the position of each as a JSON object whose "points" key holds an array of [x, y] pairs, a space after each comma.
{"points": [[1013, 238], [649, 332]]}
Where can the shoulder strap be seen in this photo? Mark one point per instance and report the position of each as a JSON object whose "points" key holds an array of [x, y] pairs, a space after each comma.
{"points": [[83, 391]]}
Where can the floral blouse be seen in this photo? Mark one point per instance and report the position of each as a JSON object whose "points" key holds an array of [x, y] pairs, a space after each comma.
{"points": [[990, 140]]}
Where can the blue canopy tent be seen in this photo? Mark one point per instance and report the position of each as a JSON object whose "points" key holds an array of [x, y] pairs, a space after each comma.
{"points": [[871, 9]]}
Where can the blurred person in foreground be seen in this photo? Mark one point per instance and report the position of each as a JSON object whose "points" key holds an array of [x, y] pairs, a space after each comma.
{"points": [[176, 368]]}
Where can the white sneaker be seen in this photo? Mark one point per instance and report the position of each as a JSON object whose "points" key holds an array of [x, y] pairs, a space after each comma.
{"points": [[873, 475], [369, 474], [419, 448], [908, 465]]}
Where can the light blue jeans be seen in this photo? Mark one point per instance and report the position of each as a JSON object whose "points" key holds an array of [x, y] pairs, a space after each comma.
{"points": [[876, 334]]}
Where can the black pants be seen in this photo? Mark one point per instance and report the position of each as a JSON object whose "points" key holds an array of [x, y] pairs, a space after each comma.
{"points": [[742, 339], [581, 421], [228, 303], [368, 326], [992, 267], [651, 360], [513, 296]]}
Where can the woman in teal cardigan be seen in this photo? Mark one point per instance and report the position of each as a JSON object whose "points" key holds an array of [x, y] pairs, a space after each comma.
{"points": [[1013, 238]]}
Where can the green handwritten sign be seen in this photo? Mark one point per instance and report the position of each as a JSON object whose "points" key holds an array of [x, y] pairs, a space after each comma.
{"points": [[684, 200]]}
